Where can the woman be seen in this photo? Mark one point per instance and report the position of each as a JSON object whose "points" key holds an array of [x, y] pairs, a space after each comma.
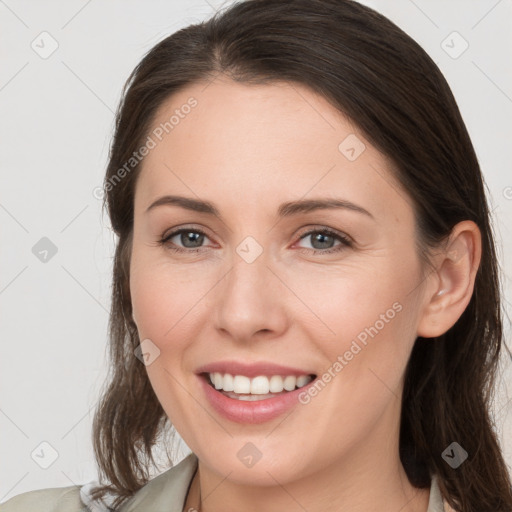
{"points": [[305, 281]]}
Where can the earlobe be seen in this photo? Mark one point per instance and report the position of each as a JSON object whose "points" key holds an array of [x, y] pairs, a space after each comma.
{"points": [[456, 266]]}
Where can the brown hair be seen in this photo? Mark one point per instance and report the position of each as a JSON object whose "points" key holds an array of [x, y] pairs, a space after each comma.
{"points": [[390, 88]]}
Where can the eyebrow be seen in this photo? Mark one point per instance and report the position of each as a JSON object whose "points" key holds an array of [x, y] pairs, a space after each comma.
{"points": [[285, 210]]}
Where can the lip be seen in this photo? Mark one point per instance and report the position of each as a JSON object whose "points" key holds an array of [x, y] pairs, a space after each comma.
{"points": [[252, 370], [240, 411], [246, 412]]}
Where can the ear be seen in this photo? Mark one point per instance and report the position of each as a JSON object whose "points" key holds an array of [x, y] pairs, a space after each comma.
{"points": [[451, 284]]}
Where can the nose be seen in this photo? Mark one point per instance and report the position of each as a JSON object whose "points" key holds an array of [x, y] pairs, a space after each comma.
{"points": [[250, 302]]}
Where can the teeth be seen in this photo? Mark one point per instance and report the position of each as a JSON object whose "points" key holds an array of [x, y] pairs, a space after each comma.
{"points": [[260, 385], [303, 380], [276, 384], [226, 383], [241, 384], [289, 383]]}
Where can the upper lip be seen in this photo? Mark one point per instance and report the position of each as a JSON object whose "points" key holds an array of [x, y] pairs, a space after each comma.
{"points": [[256, 369]]}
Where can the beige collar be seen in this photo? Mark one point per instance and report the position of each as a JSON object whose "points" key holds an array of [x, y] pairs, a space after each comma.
{"points": [[166, 492]]}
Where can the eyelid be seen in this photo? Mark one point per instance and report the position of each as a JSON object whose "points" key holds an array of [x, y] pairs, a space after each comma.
{"points": [[178, 229], [345, 240], [165, 239], [325, 229]]}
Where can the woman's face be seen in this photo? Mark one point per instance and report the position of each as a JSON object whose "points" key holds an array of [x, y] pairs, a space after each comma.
{"points": [[260, 282]]}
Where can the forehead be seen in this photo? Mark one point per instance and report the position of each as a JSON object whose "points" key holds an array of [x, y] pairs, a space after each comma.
{"points": [[256, 142]]}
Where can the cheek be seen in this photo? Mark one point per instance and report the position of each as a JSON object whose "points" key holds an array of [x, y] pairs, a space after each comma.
{"points": [[163, 299], [155, 317], [364, 364], [364, 322], [153, 309], [343, 303], [166, 304]]}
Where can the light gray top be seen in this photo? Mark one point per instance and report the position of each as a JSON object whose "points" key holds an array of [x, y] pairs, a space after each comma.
{"points": [[165, 493]]}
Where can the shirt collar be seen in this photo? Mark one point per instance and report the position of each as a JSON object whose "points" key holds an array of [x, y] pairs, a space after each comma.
{"points": [[166, 492], [435, 502]]}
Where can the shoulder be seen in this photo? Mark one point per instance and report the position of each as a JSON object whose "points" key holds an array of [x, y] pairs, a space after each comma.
{"points": [[60, 499], [166, 492]]}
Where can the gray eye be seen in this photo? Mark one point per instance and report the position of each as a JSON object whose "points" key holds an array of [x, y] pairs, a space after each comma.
{"points": [[190, 239], [324, 241]]}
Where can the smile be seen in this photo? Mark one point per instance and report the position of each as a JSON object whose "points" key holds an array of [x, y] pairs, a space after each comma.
{"points": [[262, 387]]}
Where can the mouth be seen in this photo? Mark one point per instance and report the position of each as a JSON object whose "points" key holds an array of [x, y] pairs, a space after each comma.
{"points": [[261, 387], [251, 392]]}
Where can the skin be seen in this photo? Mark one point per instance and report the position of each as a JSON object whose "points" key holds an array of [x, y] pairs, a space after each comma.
{"points": [[247, 149]]}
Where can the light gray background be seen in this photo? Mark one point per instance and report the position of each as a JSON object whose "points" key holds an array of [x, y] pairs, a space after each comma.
{"points": [[56, 122]]}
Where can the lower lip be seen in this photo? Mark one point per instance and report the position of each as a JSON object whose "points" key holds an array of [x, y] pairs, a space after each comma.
{"points": [[260, 411]]}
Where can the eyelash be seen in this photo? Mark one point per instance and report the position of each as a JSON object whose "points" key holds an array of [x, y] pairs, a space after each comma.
{"points": [[345, 241]]}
